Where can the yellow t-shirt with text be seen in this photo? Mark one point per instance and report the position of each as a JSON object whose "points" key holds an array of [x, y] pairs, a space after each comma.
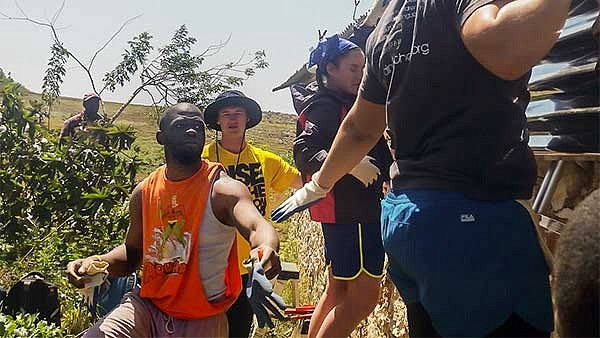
{"points": [[263, 172]]}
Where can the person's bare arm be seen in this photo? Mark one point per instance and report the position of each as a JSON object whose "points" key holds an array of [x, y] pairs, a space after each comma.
{"points": [[233, 205], [508, 37], [297, 182], [360, 131], [125, 258]]}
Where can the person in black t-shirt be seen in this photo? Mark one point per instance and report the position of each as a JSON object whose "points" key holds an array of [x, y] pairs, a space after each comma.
{"points": [[449, 79]]}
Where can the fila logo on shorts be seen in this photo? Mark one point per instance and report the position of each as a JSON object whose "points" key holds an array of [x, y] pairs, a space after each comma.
{"points": [[467, 218]]}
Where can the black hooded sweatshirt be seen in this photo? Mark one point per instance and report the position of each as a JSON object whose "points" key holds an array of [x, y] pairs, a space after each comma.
{"points": [[320, 114]]}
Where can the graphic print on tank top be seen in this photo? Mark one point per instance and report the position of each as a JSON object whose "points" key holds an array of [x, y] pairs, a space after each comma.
{"points": [[170, 250], [402, 43]]}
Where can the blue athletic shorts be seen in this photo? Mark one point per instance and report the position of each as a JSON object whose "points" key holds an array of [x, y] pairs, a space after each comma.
{"points": [[471, 264], [353, 248]]}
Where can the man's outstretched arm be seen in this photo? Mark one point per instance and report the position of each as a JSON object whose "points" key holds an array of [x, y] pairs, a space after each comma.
{"points": [[233, 205]]}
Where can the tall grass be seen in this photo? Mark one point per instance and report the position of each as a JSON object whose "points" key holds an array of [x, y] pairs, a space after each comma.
{"points": [[389, 317]]}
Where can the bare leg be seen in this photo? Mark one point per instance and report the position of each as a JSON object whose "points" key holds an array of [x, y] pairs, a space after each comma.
{"points": [[360, 299], [335, 291]]}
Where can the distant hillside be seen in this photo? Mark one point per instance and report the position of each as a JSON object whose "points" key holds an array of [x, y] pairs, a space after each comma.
{"points": [[275, 132]]}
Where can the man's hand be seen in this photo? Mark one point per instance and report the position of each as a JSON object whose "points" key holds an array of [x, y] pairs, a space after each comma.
{"points": [[365, 171], [94, 276], [77, 271], [303, 198], [268, 259], [262, 298]]}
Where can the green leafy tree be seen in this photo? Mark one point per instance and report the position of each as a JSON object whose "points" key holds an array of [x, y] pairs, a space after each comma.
{"points": [[45, 188], [175, 74], [54, 74], [59, 202]]}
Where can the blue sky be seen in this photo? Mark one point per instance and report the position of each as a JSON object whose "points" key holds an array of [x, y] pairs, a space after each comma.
{"points": [[285, 29]]}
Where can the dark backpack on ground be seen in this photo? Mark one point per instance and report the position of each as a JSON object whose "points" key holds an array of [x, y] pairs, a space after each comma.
{"points": [[33, 294]]}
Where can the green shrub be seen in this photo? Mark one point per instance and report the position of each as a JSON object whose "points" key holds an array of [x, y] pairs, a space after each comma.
{"points": [[58, 202], [27, 326]]}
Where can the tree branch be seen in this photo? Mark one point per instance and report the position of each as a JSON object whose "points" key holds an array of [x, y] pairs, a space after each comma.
{"points": [[124, 105], [14, 18], [58, 12], [20, 9], [214, 49], [86, 69], [112, 38], [154, 103], [54, 35]]}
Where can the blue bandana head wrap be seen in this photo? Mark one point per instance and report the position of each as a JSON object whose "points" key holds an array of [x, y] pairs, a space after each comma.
{"points": [[328, 51]]}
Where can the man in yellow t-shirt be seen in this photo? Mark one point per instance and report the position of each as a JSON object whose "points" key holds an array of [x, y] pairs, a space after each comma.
{"points": [[265, 173]]}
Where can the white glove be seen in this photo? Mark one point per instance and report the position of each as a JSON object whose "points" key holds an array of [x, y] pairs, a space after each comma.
{"points": [[375, 12], [303, 198], [365, 171]]}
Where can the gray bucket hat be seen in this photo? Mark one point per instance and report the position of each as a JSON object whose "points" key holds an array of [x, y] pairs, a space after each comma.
{"points": [[232, 98]]}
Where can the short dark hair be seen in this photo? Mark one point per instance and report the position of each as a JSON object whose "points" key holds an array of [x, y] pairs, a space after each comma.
{"points": [[577, 272]]}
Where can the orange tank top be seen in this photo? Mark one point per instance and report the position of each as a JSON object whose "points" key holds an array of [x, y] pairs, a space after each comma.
{"points": [[171, 213]]}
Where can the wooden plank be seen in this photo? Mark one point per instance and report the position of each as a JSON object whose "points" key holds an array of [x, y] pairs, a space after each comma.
{"points": [[545, 155], [289, 271]]}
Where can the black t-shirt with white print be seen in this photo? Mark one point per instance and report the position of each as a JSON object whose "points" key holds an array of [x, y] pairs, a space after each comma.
{"points": [[455, 125]]}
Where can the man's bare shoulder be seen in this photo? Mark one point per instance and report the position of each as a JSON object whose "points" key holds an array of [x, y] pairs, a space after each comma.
{"points": [[226, 194], [226, 186], [137, 190]]}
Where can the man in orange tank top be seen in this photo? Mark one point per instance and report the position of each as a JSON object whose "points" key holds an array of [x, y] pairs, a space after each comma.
{"points": [[183, 219]]}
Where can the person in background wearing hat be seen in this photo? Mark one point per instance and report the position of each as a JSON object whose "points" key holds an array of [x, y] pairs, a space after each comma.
{"points": [[263, 172], [349, 215], [89, 115]]}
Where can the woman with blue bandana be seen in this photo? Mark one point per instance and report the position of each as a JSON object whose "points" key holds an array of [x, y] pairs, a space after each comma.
{"points": [[350, 213]]}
